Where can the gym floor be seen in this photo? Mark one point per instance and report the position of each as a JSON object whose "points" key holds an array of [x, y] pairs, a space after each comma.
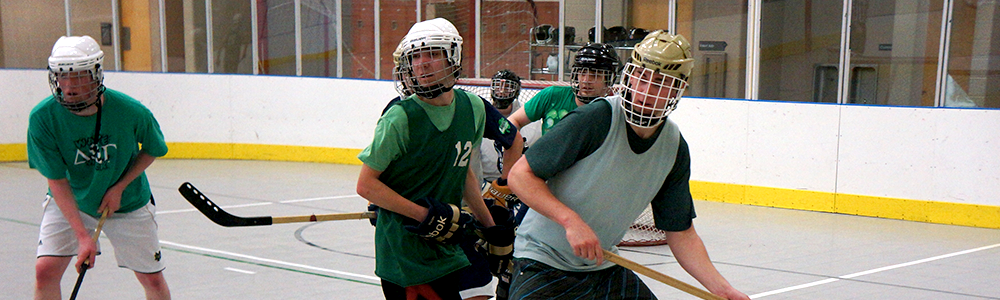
{"points": [[767, 253]]}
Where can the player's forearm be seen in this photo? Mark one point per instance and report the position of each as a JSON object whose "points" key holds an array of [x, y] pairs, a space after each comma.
{"points": [[690, 252], [519, 118], [142, 162], [376, 192], [533, 191], [510, 156], [472, 196], [62, 194]]}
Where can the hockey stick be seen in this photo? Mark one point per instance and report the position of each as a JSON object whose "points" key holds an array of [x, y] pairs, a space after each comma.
{"points": [[680, 285], [221, 217], [86, 263]]}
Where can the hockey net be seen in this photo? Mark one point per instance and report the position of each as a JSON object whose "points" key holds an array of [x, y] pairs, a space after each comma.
{"points": [[643, 231]]}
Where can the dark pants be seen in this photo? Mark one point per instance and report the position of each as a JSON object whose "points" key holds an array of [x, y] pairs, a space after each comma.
{"points": [[536, 280], [446, 287]]}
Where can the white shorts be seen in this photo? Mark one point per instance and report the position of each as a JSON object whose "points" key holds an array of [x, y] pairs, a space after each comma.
{"points": [[486, 290], [133, 236]]}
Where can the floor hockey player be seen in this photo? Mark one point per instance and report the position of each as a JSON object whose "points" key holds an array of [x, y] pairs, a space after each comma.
{"points": [[589, 178], [85, 139], [416, 170]]}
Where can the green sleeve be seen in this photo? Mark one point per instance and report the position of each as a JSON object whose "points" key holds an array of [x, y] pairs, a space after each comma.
{"points": [[536, 106], [578, 135], [673, 206], [389, 143], [479, 115], [43, 152], [151, 137]]}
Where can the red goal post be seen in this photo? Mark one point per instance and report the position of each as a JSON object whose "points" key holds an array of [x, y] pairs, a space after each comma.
{"points": [[642, 232]]}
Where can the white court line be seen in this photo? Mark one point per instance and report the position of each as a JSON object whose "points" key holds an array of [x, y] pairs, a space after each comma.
{"points": [[261, 259], [872, 271], [319, 198], [260, 204], [239, 271]]}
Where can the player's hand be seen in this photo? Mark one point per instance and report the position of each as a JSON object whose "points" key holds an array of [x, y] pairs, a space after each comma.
{"points": [[497, 243], [87, 252], [112, 200], [444, 223], [373, 208], [584, 241], [733, 294], [499, 190]]}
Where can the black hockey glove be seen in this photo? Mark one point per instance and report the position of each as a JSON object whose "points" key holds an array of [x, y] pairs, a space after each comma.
{"points": [[444, 223], [497, 243], [373, 208]]}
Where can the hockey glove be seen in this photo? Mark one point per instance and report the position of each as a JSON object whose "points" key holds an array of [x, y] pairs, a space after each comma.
{"points": [[499, 190], [497, 243], [373, 208], [444, 223]]}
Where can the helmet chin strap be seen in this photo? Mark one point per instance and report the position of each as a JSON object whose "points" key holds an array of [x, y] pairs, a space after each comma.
{"points": [[97, 127]]}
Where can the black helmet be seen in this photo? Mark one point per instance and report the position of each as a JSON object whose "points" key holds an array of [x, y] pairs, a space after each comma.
{"points": [[505, 88], [601, 59], [597, 56]]}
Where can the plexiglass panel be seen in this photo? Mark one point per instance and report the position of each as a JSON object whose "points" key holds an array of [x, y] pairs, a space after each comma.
{"points": [[973, 77], [231, 37], [319, 38], [800, 50]]}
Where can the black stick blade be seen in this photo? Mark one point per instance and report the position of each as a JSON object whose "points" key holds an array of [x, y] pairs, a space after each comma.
{"points": [[214, 212]]}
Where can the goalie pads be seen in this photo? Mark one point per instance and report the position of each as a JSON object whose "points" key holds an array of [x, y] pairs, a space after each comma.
{"points": [[445, 223], [497, 242], [501, 193]]}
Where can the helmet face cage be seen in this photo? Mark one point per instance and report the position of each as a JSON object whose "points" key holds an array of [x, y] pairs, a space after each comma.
{"points": [[504, 88], [593, 64], [75, 74], [426, 71], [649, 96], [79, 89], [504, 92], [589, 83]]}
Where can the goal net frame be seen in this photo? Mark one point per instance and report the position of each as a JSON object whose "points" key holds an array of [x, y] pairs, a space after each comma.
{"points": [[643, 231]]}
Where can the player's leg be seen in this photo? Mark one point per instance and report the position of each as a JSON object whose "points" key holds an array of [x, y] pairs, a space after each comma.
{"points": [[48, 275], [57, 245], [441, 289], [621, 283], [155, 285], [474, 281], [137, 247], [535, 280]]}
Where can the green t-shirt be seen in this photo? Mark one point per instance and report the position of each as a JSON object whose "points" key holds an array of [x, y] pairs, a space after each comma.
{"points": [[551, 105], [428, 155], [59, 146]]}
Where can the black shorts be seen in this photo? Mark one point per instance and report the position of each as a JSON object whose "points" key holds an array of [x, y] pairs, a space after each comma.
{"points": [[536, 280]]}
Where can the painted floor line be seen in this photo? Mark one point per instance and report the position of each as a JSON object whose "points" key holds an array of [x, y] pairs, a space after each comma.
{"points": [[872, 271], [273, 261], [239, 270], [259, 204]]}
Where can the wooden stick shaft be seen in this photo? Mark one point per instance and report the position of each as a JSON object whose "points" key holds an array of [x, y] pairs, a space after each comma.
{"points": [[680, 285], [326, 217], [86, 263]]}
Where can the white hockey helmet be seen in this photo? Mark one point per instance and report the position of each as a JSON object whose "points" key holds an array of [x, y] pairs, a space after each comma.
{"points": [[655, 78], [76, 76], [425, 39]]}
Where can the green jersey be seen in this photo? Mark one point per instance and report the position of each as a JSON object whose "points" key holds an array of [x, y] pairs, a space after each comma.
{"points": [[428, 157], [551, 105], [62, 145]]}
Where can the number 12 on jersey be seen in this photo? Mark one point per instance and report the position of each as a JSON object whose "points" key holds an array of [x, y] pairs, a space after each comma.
{"points": [[462, 154]]}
